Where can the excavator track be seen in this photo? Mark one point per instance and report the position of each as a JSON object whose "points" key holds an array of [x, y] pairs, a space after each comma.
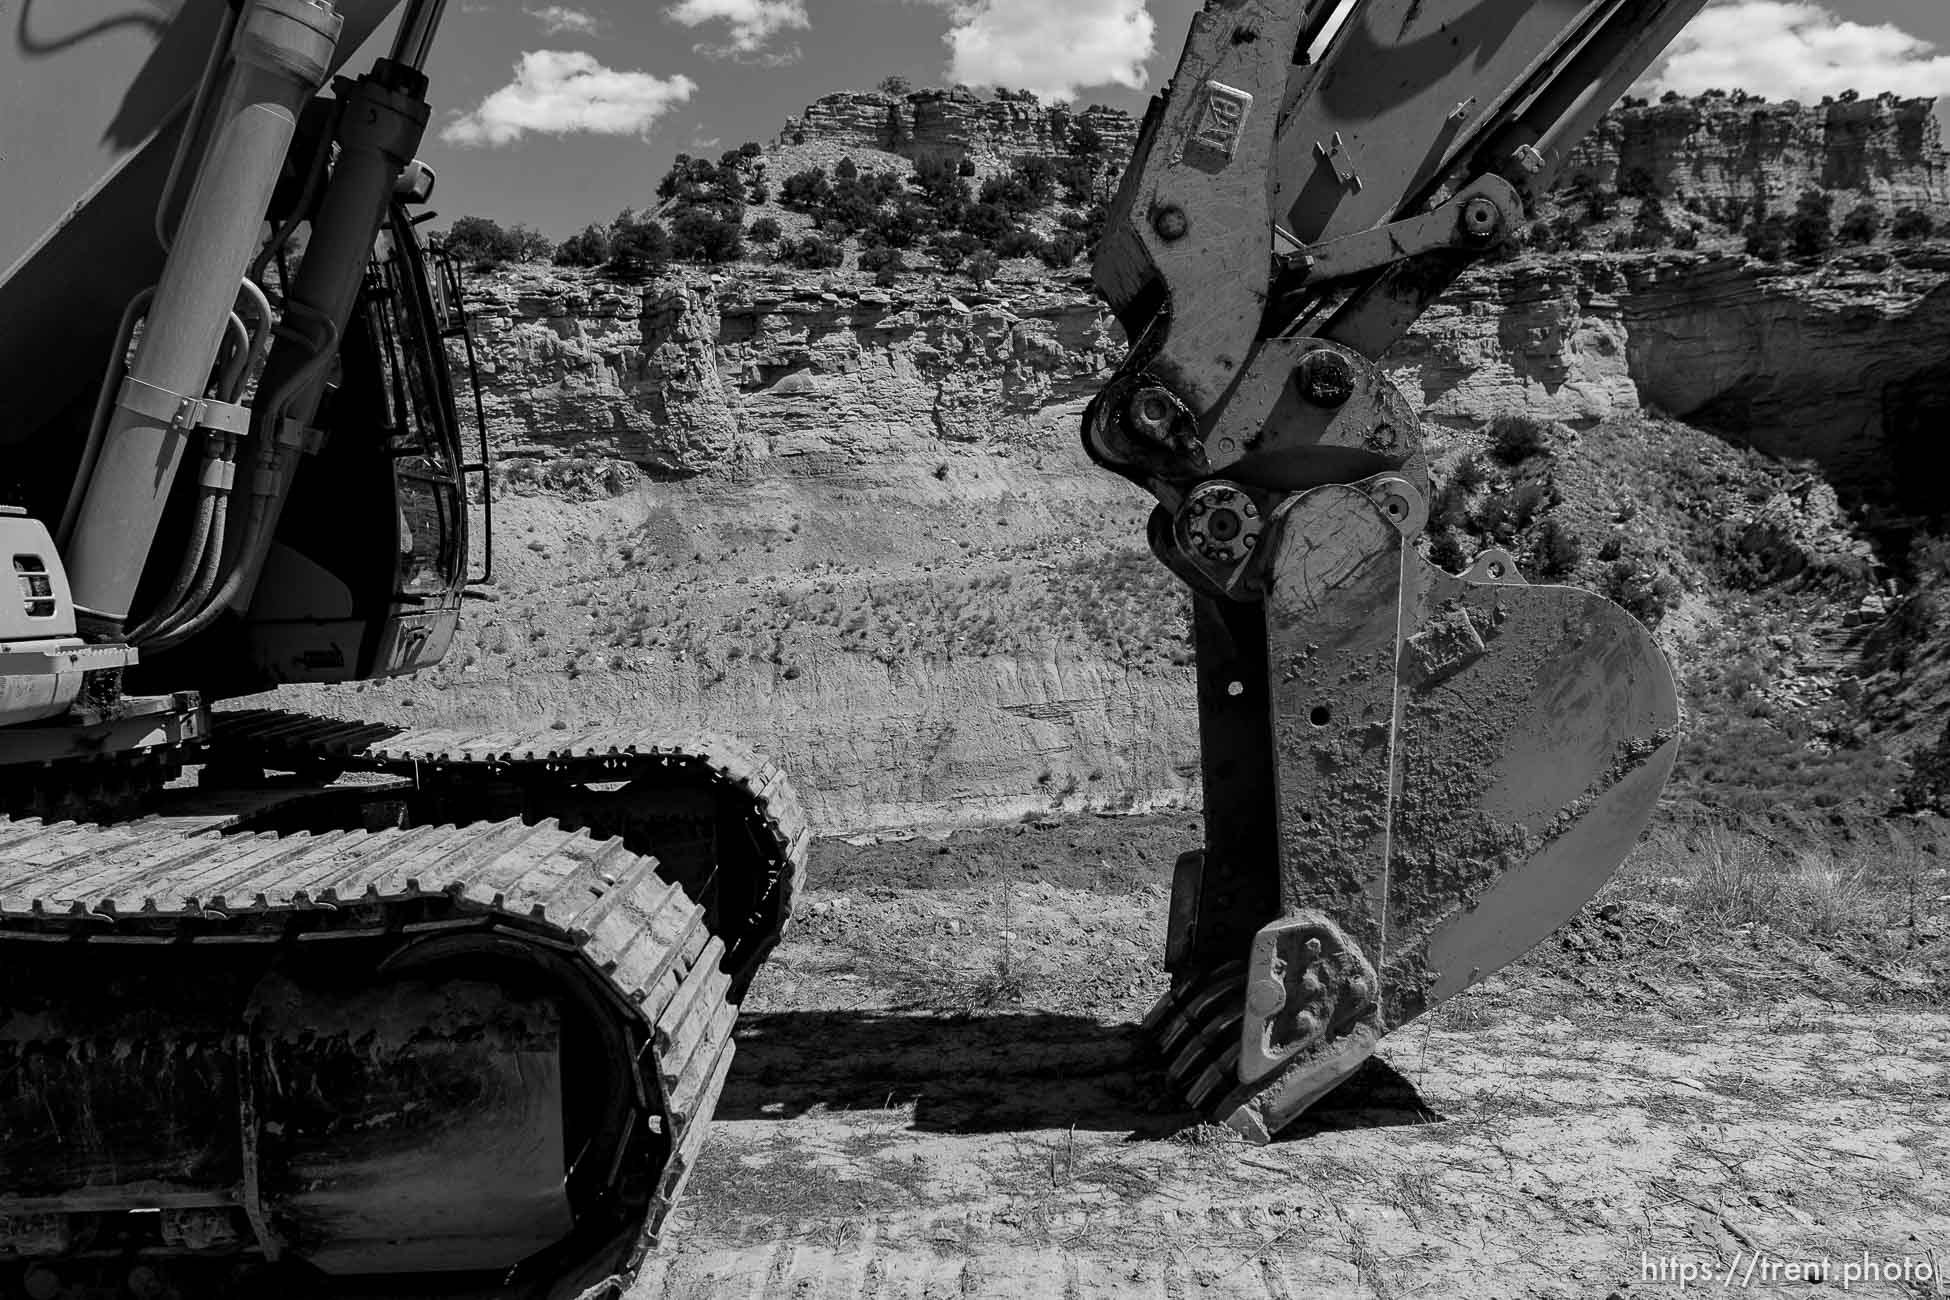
{"points": [[374, 1031], [760, 831]]}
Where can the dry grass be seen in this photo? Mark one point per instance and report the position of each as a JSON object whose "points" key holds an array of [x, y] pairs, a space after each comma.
{"points": [[1795, 878]]}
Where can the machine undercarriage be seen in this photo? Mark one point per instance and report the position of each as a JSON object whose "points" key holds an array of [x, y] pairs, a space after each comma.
{"points": [[454, 1019]]}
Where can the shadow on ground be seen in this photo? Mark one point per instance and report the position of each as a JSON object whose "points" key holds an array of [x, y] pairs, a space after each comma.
{"points": [[999, 1073]]}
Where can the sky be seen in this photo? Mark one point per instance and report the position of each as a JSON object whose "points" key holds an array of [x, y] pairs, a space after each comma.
{"points": [[559, 114]]}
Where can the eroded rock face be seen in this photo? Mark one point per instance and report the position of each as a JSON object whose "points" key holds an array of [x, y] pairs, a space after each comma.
{"points": [[597, 369], [1841, 366], [695, 376], [1888, 150], [956, 124], [1730, 157]]}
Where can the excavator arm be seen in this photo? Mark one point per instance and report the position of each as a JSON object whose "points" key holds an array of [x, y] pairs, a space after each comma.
{"points": [[1411, 776]]}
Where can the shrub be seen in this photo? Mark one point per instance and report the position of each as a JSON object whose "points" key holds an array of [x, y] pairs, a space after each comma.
{"points": [[987, 223], [590, 248], [846, 169], [807, 190], [1912, 223], [1767, 238], [1446, 553], [885, 263], [813, 253], [484, 244], [1019, 241], [1450, 509], [1861, 223], [950, 251], [1516, 438], [764, 231], [982, 265], [1060, 251], [966, 167], [1812, 228], [1528, 500], [1644, 595], [638, 246], [1558, 550], [1651, 228], [1637, 183], [895, 85], [698, 235], [902, 226]]}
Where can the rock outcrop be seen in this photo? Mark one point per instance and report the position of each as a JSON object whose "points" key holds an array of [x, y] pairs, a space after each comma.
{"points": [[1727, 156], [692, 375], [1844, 366], [1733, 156], [956, 124]]}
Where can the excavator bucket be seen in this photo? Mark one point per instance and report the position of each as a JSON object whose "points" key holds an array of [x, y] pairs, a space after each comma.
{"points": [[1450, 766]]}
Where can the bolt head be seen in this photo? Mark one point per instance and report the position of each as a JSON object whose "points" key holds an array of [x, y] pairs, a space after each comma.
{"points": [[1170, 222], [1266, 997], [1326, 378], [1152, 412]]}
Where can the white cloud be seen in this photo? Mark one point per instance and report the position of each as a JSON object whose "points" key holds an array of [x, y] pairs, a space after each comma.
{"points": [[1785, 49], [1053, 47], [557, 19], [566, 92], [751, 23]]}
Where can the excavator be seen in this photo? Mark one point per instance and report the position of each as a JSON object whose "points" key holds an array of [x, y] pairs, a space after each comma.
{"points": [[294, 1002]]}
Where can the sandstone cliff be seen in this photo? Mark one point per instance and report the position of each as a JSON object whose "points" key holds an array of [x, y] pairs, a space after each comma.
{"points": [[1719, 151], [1722, 154], [955, 124], [699, 374], [790, 372]]}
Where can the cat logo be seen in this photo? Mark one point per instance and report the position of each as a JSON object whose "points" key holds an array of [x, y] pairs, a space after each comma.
{"points": [[1223, 120]]}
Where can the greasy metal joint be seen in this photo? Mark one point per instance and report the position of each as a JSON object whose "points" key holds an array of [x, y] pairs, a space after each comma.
{"points": [[1153, 413], [1170, 222], [1221, 523], [1480, 218], [1326, 379]]}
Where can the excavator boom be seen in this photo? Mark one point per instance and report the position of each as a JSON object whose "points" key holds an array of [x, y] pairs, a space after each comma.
{"points": [[1410, 776]]}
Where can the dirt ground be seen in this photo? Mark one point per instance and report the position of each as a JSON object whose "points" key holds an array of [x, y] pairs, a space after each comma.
{"points": [[940, 1091]]}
